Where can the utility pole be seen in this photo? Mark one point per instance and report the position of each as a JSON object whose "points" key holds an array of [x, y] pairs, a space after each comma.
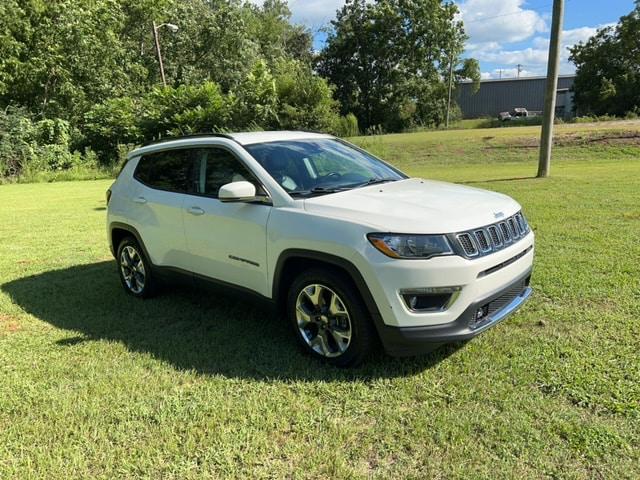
{"points": [[159, 54], [519, 70], [450, 89], [546, 139]]}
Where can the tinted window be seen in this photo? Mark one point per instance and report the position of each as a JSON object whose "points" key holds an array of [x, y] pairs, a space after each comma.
{"points": [[220, 167], [303, 165], [169, 170]]}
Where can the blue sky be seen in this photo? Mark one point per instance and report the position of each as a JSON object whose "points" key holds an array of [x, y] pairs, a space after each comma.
{"points": [[503, 33]]}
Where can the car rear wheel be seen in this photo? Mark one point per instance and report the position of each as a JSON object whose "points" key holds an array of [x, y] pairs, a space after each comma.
{"points": [[134, 269], [329, 318]]}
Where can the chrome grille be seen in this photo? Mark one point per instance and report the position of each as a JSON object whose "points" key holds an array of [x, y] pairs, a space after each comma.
{"points": [[467, 244], [521, 222], [506, 234], [514, 228], [496, 240], [485, 240]]}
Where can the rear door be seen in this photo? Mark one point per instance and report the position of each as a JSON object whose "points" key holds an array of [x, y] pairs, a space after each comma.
{"points": [[226, 241], [162, 181]]}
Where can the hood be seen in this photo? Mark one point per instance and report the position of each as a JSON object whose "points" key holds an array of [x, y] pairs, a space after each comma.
{"points": [[416, 206]]}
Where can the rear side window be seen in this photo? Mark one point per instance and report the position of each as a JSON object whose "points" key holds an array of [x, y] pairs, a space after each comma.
{"points": [[171, 170]]}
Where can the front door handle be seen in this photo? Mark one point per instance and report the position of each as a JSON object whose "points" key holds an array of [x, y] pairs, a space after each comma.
{"points": [[195, 211], [140, 200]]}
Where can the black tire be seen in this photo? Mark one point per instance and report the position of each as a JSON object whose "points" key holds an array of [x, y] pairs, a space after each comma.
{"points": [[140, 286], [363, 337]]}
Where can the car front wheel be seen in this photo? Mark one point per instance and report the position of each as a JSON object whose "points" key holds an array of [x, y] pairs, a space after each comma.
{"points": [[329, 318]]}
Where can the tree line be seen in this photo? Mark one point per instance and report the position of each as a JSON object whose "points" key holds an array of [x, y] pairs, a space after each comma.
{"points": [[80, 83], [79, 80]]}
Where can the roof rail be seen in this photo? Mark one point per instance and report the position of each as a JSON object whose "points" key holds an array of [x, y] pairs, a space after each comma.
{"points": [[182, 137]]}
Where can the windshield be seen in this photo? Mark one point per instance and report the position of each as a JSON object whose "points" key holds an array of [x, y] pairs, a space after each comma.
{"points": [[318, 166]]}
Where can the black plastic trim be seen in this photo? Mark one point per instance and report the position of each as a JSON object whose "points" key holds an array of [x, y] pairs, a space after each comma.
{"points": [[340, 262], [404, 341], [172, 272], [225, 287], [132, 231]]}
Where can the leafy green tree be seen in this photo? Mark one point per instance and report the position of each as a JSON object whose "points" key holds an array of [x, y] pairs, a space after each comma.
{"points": [[608, 69], [69, 56], [389, 60], [277, 38], [469, 69], [305, 100]]}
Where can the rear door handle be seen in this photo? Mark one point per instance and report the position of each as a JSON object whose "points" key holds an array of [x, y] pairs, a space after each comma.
{"points": [[195, 211], [140, 200]]}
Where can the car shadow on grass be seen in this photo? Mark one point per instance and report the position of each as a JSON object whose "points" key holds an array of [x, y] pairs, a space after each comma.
{"points": [[194, 329]]}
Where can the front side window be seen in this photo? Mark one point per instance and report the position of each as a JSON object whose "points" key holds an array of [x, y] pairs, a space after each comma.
{"points": [[217, 167], [317, 166]]}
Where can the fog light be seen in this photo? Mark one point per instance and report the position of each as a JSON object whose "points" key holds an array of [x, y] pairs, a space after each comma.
{"points": [[481, 313], [425, 300]]}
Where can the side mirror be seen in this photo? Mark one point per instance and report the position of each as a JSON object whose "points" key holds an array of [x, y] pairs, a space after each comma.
{"points": [[237, 192]]}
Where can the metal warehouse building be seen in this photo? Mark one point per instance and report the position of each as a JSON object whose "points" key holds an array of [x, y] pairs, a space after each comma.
{"points": [[504, 95]]}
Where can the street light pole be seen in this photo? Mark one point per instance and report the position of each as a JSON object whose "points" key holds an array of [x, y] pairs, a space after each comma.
{"points": [[546, 139], [173, 28], [159, 54]]}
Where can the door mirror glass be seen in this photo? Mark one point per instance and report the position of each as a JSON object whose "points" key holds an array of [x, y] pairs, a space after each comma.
{"points": [[237, 192]]}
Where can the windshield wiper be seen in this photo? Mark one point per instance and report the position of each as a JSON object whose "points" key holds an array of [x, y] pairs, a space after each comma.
{"points": [[325, 190], [375, 181], [318, 191]]}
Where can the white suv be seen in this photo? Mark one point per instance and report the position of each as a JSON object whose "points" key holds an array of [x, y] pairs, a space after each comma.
{"points": [[351, 249]]}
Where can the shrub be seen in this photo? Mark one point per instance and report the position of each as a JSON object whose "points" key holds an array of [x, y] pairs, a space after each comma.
{"points": [[347, 126], [183, 110], [28, 146], [294, 98], [305, 100], [110, 124]]}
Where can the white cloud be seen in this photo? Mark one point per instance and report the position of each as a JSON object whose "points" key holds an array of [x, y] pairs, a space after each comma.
{"points": [[533, 58], [492, 25], [503, 21], [312, 13]]}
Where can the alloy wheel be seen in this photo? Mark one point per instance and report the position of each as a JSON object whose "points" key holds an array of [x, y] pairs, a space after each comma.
{"points": [[132, 268], [323, 320]]}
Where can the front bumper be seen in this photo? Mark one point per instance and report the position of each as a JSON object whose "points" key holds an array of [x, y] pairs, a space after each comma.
{"points": [[403, 341]]}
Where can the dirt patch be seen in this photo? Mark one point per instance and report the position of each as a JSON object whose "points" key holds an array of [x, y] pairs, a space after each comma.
{"points": [[607, 138], [8, 324], [621, 137], [631, 215], [26, 262]]}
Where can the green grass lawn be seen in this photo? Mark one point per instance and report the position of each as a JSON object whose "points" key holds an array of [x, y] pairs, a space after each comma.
{"points": [[94, 383]]}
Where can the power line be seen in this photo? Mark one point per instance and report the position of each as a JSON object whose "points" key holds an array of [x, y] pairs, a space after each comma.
{"points": [[518, 12]]}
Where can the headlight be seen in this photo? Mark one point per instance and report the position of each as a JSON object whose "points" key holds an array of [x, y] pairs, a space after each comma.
{"points": [[410, 246]]}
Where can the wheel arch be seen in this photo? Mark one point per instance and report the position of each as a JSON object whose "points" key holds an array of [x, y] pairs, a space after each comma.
{"points": [[118, 231], [293, 261]]}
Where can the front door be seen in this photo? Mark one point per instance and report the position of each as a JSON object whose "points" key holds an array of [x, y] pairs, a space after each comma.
{"points": [[226, 241]]}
